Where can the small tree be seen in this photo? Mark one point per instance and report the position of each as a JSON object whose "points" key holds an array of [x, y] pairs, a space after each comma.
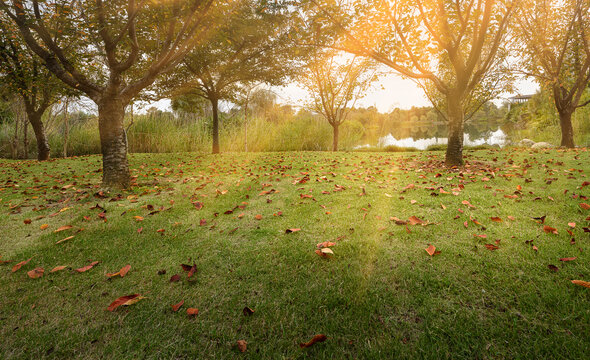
{"points": [[254, 45], [111, 51], [448, 46], [23, 73], [555, 37], [335, 84]]}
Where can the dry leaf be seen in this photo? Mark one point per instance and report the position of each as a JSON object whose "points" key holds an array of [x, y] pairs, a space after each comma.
{"points": [[20, 264], [192, 311], [549, 229], [582, 283], [121, 272], [242, 345], [125, 300], [247, 311], [175, 307], [315, 339], [58, 268], [87, 267], [36, 273], [63, 228]]}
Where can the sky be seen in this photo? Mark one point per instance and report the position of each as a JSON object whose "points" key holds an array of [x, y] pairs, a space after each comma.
{"points": [[389, 92]]}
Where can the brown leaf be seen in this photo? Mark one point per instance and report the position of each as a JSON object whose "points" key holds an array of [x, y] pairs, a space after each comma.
{"points": [[175, 307], [288, 231], [258, 217], [121, 272], [192, 311], [413, 220], [582, 283], [175, 278], [431, 250], [198, 205], [496, 219], [192, 271], [247, 311], [123, 300], [20, 264], [36, 273], [568, 259], [548, 229], [65, 239], [242, 345], [27, 221], [315, 339], [43, 226], [63, 228], [585, 206], [87, 267], [553, 268], [58, 268], [491, 247]]}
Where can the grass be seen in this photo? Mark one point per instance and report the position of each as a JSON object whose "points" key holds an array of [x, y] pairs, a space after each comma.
{"points": [[380, 296]]}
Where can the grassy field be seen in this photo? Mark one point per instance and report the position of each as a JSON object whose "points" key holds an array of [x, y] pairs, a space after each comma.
{"points": [[489, 293]]}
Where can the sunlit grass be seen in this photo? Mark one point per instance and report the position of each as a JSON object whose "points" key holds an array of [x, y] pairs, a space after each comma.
{"points": [[380, 296]]}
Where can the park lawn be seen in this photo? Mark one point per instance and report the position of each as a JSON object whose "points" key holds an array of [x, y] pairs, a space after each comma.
{"points": [[381, 295]]}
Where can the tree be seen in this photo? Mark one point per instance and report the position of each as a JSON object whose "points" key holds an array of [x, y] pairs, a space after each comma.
{"points": [[112, 51], [254, 45], [555, 37], [335, 84], [23, 73], [448, 46]]}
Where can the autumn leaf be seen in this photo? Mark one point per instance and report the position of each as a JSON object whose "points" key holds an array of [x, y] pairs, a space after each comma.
{"points": [[175, 278], [431, 250], [553, 268], [288, 231], [58, 268], [65, 239], [87, 267], [496, 219], [121, 272], [582, 283], [413, 220], [192, 311], [258, 217], [36, 273], [548, 229], [491, 246], [198, 205], [585, 206], [316, 339], [568, 259], [43, 226], [247, 311], [242, 344], [20, 264], [175, 307], [125, 300], [27, 221], [63, 228]]}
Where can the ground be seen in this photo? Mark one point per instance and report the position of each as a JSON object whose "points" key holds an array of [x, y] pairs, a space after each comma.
{"points": [[497, 289]]}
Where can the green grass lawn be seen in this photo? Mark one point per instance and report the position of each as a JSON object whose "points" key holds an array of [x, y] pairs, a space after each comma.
{"points": [[381, 295]]}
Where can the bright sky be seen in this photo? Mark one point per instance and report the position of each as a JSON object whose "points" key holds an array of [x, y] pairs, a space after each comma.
{"points": [[390, 92]]}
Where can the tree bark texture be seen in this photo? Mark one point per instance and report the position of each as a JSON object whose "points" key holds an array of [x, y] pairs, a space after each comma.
{"points": [[43, 151], [215, 110], [113, 143], [335, 129], [567, 130], [454, 155]]}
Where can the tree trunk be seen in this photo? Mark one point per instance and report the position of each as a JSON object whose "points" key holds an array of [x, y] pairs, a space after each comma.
{"points": [[43, 150], [567, 130], [454, 155], [215, 110], [113, 144], [25, 139], [335, 129]]}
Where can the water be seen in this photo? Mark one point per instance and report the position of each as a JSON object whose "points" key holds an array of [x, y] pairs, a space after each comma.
{"points": [[497, 137]]}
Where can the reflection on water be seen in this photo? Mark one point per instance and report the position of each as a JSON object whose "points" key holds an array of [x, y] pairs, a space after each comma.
{"points": [[422, 134], [497, 137]]}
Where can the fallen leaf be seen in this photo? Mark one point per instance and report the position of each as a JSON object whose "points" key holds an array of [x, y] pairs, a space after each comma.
{"points": [[175, 278], [413, 220], [20, 264], [582, 283], [585, 206], [242, 345], [491, 246], [124, 300], [192, 311], [87, 267], [63, 228], [121, 272], [65, 239], [553, 268], [549, 229], [431, 250], [247, 311], [36, 273], [288, 231], [175, 307], [496, 219], [315, 339], [43, 226], [568, 259], [258, 217], [58, 268]]}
